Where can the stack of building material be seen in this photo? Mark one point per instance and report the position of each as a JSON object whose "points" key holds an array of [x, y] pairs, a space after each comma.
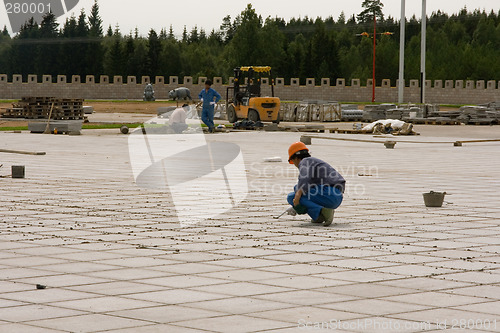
{"points": [[478, 115], [413, 112], [288, 112], [492, 105], [45, 107], [394, 114], [376, 112], [352, 115], [350, 112], [331, 112]]}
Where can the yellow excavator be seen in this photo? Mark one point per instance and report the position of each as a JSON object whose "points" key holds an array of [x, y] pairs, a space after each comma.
{"points": [[244, 99]]}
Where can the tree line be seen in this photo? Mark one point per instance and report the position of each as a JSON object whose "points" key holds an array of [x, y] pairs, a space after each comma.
{"points": [[462, 46]]}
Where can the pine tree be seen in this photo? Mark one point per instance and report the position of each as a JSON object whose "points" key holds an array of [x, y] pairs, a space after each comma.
{"points": [[47, 61], [95, 50], [69, 52], [171, 35], [163, 34], [95, 21], [154, 49], [185, 37], [373, 8], [5, 32], [194, 37]]}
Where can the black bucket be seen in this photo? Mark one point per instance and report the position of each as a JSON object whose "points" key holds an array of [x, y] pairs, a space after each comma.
{"points": [[434, 199], [18, 171]]}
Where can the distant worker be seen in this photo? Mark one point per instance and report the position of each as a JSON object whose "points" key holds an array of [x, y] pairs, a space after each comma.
{"points": [[177, 120], [320, 187], [209, 97]]}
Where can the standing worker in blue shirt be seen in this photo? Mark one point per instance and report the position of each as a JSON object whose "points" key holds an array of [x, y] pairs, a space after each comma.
{"points": [[209, 97], [320, 188]]}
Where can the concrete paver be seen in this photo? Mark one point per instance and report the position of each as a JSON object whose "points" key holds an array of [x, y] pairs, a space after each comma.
{"points": [[115, 258]]}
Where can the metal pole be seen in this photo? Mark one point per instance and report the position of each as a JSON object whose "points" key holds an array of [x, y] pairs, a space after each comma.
{"points": [[402, 23], [423, 49], [374, 52]]}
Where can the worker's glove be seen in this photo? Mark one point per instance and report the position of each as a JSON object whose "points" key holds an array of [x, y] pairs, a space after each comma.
{"points": [[291, 211], [212, 103]]}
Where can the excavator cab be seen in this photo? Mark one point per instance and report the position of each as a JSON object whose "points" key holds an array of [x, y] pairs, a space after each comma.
{"points": [[244, 98]]}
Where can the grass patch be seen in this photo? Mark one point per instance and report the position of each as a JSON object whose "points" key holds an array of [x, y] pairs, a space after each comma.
{"points": [[15, 128]]}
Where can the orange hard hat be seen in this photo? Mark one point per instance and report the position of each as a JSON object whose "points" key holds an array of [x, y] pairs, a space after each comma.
{"points": [[294, 148]]}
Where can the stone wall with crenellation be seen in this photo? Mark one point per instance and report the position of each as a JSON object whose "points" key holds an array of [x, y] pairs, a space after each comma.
{"points": [[104, 87]]}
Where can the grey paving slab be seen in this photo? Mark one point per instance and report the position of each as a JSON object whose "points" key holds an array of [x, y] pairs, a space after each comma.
{"points": [[170, 313], [90, 323], [16, 327], [32, 312], [308, 313], [46, 296], [158, 328], [177, 296], [234, 323], [376, 307]]}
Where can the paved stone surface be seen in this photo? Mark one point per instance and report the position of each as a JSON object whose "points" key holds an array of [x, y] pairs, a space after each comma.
{"points": [[114, 257]]}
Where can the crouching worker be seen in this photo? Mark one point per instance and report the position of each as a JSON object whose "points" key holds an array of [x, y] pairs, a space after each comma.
{"points": [[320, 188], [177, 120]]}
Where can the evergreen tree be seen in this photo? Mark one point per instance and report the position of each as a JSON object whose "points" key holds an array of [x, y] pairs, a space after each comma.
{"points": [[246, 45], [95, 50], [185, 37], [154, 50], [171, 35], [194, 37], [47, 61], [70, 55], [372, 8]]}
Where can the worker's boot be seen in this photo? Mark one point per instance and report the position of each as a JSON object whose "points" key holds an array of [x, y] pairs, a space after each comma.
{"points": [[327, 215], [320, 219]]}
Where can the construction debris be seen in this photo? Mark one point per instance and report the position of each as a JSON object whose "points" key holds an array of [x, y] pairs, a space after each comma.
{"points": [[247, 125], [390, 126], [276, 159]]}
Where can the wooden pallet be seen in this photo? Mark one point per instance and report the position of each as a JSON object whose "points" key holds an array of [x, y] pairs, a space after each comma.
{"points": [[40, 108], [433, 122], [352, 131]]}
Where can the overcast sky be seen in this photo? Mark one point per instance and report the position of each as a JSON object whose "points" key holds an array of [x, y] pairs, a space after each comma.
{"points": [[129, 14]]}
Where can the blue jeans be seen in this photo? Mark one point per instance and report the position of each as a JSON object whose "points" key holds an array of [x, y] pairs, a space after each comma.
{"points": [[207, 116], [318, 197]]}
